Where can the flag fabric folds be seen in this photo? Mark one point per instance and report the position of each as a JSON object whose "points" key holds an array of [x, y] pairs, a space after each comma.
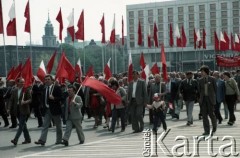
{"points": [[155, 69], [70, 27], [27, 73], [184, 38], [223, 42], [155, 34], [51, 62], [11, 26], [204, 39], [10, 74], [60, 21], [237, 43], [143, 65], [216, 42], [113, 34], [1, 18], [102, 23], [41, 72], [139, 33], [103, 89], [107, 70], [149, 37], [178, 37], [90, 72], [164, 64], [80, 33], [130, 68], [78, 70], [27, 16], [171, 41]]}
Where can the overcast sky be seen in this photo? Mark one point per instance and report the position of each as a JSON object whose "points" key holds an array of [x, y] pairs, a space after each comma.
{"points": [[93, 11]]}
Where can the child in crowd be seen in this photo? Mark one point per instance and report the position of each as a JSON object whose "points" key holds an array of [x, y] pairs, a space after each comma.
{"points": [[158, 107]]}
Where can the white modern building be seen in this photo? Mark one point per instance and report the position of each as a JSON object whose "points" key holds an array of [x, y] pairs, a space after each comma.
{"points": [[212, 15]]}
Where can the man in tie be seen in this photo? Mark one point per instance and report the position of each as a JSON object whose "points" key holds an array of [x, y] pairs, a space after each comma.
{"points": [[207, 100], [52, 95]]}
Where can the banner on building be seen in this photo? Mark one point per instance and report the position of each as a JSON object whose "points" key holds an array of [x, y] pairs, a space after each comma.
{"points": [[228, 61]]}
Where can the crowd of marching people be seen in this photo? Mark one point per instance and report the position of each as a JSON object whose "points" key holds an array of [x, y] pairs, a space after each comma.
{"points": [[68, 104]]}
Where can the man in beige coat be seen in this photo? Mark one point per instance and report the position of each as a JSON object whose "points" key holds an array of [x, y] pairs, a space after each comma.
{"points": [[73, 116]]}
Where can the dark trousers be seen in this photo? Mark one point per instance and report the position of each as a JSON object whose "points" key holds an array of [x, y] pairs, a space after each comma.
{"points": [[208, 110], [13, 119], [217, 112], [150, 116], [231, 101], [118, 113], [136, 116], [159, 116], [3, 113], [22, 128]]}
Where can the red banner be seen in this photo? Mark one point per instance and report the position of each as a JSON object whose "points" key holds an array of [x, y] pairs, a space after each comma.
{"points": [[228, 61]]}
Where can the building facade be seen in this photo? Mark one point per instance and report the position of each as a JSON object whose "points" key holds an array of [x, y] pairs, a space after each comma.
{"points": [[212, 15], [49, 39]]}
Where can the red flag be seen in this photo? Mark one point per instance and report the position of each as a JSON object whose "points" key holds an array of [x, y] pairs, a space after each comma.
{"points": [[107, 70], [65, 69], [113, 34], [1, 18], [184, 38], [11, 72], [11, 26], [155, 36], [223, 42], [232, 43], [171, 36], [178, 37], [27, 16], [164, 64], [149, 37], [80, 33], [195, 38], [216, 41], [237, 43], [51, 62], [103, 89], [70, 27], [139, 33], [27, 73], [90, 72], [155, 69], [130, 68], [227, 40], [102, 23], [78, 70], [122, 31], [17, 72], [41, 73], [142, 61], [60, 21], [204, 39]]}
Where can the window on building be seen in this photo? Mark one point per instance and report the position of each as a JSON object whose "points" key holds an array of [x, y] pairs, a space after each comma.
{"points": [[235, 5], [224, 22], [160, 11], [191, 24], [141, 21], [150, 20], [132, 36], [180, 25], [191, 17], [213, 23], [224, 6], [131, 29], [180, 17], [170, 11], [191, 40], [236, 29], [170, 18], [235, 21], [201, 16], [213, 15], [191, 9], [202, 24], [180, 10], [202, 8], [235, 13], [160, 27], [131, 21], [140, 13], [131, 14], [224, 13], [132, 44], [160, 35], [212, 7], [160, 19], [150, 12]]}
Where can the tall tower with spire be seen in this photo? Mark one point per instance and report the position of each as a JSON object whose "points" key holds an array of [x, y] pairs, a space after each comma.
{"points": [[49, 39]]}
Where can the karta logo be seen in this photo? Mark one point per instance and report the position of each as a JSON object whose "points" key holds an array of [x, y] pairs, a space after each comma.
{"points": [[182, 145]]}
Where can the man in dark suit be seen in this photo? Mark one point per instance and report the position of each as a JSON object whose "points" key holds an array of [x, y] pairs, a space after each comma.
{"points": [[137, 95], [3, 111], [207, 101], [52, 96]]}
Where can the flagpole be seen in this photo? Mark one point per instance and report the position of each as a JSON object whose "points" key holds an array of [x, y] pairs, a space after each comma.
{"points": [[16, 36], [102, 58], [115, 52], [113, 59], [73, 40], [4, 49], [30, 35], [84, 56]]}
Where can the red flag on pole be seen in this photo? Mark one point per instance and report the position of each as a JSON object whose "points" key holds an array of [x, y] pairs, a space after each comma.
{"points": [[184, 38], [102, 23], [149, 37], [142, 61], [51, 62], [178, 37], [204, 39], [17, 72], [27, 73], [216, 41], [164, 64], [155, 69], [107, 70], [122, 31], [11, 72], [103, 89], [27, 16], [113, 34], [155, 34], [11, 26], [41, 73], [223, 42], [1, 18], [90, 72], [70, 27], [227, 40], [195, 38], [171, 41], [130, 68], [60, 21], [237, 43], [78, 70], [139, 33], [80, 33]]}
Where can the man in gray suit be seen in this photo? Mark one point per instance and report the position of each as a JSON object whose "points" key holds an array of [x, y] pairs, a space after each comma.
{"points": [[73, 116], [137, 95], [207, 101]]}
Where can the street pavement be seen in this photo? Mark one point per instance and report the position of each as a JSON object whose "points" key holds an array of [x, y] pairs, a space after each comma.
{"points": [[101, 143]]}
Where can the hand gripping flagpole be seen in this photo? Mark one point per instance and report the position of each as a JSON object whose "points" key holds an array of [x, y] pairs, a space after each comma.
{"points": [[77, 92]]}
